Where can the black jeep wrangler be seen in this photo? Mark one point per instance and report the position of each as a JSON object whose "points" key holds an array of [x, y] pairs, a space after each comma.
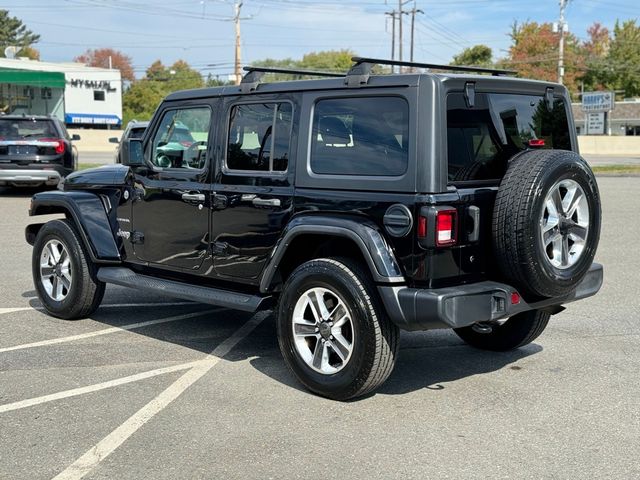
{"points": [[356, 206]]}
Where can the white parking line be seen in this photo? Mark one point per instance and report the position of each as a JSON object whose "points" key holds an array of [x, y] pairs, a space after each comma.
{"points": [[106, 331], [111, 442], [30, 402], [107, 305]]}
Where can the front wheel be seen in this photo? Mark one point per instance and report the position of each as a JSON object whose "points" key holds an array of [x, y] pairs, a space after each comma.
{"points": [[333, 333], [517, 331], [63, 275]]}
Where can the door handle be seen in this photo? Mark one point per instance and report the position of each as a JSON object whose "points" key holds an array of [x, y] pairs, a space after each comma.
{"points": [[193, 197], [266, 202]]}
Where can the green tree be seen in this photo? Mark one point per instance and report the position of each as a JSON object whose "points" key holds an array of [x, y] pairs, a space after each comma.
{"points": [[214, 81], [140, 100], [596, 50], [331, 60], [328, 60], [477, 55], [623, 61], [144, 95], [14, 33]]}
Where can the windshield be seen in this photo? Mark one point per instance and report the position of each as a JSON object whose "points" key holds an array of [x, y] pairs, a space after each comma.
{"points": [[20, 129], [482, 139]]}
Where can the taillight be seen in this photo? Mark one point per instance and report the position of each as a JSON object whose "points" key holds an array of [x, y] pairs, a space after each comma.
{"points": [[59, 144], [536, 142], [437, 226], [446, 221]]}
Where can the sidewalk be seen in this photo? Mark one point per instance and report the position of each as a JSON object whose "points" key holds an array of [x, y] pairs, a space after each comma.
{"points": [[599, 160]]}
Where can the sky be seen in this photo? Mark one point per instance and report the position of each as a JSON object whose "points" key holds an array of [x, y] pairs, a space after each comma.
{"points": [[200, 31]]}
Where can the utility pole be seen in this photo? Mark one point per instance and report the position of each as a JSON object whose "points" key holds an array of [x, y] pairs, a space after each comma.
{"points": [[236, 19], [392, 14], [414, 11], [400, 12], [561, 28]]}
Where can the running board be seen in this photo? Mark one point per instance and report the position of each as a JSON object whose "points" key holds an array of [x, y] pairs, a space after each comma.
{"points": [[126, 277]]}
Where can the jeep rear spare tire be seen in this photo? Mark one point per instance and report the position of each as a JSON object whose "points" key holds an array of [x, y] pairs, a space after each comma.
{"points": [[546, 222]]}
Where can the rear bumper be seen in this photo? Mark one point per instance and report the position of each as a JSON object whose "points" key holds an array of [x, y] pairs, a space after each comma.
{"points": [[29, 177], [464, 305]]}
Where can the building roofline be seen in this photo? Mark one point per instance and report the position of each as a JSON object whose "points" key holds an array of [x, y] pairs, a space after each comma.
{"points": [[63, 67]]}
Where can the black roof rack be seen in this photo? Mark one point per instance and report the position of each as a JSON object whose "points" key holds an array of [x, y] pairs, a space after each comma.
{"points": [[363, 66], [254, 74], [293, 71], [358, 74]]}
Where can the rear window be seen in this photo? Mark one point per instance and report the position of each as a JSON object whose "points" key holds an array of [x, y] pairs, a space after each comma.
{"points": [[482, 139], [19, 129], [360, 136], [137, 132]]}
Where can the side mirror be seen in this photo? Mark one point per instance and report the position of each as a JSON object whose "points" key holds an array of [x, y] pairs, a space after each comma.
{"points": [[132, 152], [114, 140], [75, 137]]}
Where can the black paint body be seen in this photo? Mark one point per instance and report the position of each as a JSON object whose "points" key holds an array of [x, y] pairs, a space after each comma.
{"points": [[249, 231]]}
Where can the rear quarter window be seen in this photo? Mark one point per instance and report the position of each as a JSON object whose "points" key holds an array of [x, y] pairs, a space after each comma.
{"points": [[366, 136], [482, 139]]}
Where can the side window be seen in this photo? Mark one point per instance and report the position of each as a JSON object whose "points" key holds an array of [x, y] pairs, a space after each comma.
{"points": [[259, 137], [360, 136], [181, 139]]}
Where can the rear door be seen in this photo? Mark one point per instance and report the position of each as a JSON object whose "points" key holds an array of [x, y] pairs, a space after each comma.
{"points": [[254, 187], [480, 143]]}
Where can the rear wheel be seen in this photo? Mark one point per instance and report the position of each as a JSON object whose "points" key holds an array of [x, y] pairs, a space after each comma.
{"points": [[517, 331], [333, 333], [63, 274]]}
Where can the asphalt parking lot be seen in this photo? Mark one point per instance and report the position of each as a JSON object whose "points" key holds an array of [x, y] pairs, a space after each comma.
{"points": [[153, 387]]}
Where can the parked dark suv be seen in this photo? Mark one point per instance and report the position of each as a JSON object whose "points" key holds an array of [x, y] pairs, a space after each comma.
{"points": [[134, 129], [356, 206], [35, 151]]}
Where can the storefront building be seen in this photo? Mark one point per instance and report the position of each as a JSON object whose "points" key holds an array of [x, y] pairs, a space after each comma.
{"points": [[624, 119], [81, 96]]}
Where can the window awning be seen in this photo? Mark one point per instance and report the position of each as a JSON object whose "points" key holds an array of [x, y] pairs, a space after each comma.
{"points": [[32, 78]]}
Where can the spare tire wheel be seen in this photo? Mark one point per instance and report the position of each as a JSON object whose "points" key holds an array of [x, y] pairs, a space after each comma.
{"points": [[546, 222]]}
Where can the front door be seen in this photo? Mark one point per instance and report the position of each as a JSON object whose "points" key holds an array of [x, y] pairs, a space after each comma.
{"points": [[171, 212], [254, 188]]}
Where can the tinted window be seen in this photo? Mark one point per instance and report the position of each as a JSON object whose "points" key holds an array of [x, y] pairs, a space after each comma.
{"points": [[137, 132], [181, 139], [481, 140], [19, 129], [259, 137], [360, 136]]}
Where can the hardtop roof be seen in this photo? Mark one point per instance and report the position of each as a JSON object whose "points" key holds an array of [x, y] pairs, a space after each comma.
{"points": [[375, 81]]}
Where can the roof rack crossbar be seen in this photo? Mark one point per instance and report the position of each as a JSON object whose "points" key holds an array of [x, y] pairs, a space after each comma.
{"points": [[293, 71], [254, 75], [452, 68]]}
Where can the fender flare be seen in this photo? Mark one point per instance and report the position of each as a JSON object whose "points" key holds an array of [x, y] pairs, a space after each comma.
{"points": [[366, 235], [89, 215]]}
